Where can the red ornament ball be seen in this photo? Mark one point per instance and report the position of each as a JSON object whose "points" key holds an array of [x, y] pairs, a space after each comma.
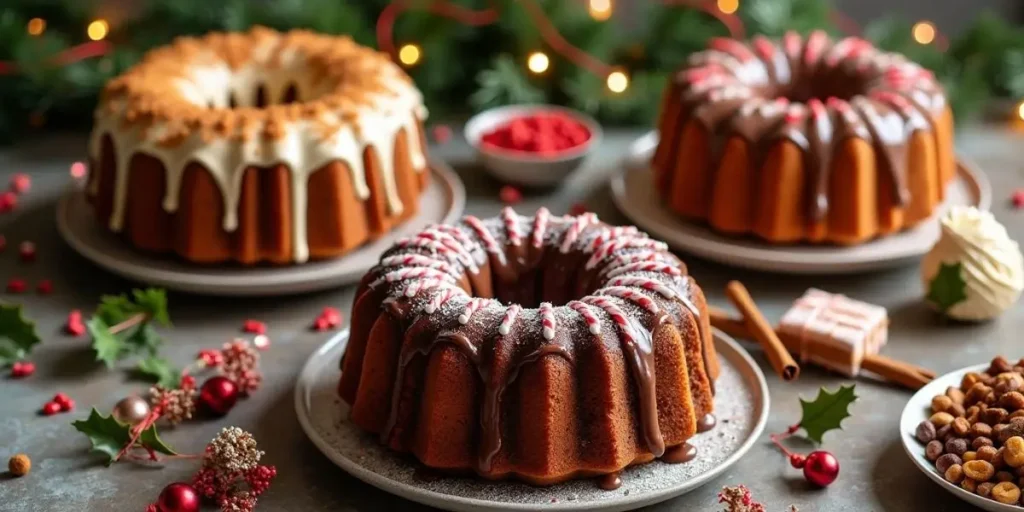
{"points": [[821, 468], [218, 395], [178, 497]]}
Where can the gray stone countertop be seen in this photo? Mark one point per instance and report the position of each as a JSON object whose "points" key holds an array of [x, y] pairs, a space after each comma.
{"points": [[876, 474]]}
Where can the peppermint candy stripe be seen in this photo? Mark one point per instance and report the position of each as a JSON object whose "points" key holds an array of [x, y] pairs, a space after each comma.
{"points": [[647, 284], [588, 316], [612, 234], [617, 316], [540, 225], [511, 313], [547, 320], [413, 289], [441, 297], [646, 266], [433, 246], [416, 260], [461, 236], [490, 244], [452, 244], [511, 220], [573, 233], [403, 274], [472, 306], [634, 242], [631, 295], [643, 256]]}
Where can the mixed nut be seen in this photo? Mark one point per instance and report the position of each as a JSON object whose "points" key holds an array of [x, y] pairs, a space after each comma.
{"points": [[975, 435]]}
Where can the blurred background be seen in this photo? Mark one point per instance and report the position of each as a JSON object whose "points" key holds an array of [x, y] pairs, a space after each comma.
{"points": [[610, 58]]}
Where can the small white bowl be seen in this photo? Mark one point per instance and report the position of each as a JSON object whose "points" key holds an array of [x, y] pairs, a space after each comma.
{"points": [[523, 168], [917, 410]]}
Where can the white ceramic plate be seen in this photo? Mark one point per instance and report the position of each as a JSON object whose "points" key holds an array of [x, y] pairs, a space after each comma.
{"points": [[442, 202], [741, 406], [633, 192], [917, 410]]}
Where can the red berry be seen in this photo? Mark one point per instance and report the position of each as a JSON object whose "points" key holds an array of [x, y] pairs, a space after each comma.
{"points": [[44, 287], [797, 461], [22, 369], [188, 382], [321, 324], [20, 183], [51, 408], [332, 315], [510, 195], [27, 251], [1018, 198], [62, 400], [218, 395], [211, 358], [442, 133], [178, 497], [74, 325], [16, 285], [254, 327], [821, 468], [8, 201]]}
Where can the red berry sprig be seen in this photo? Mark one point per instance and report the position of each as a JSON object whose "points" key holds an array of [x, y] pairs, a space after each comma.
{"points": [[74, 325], [329, 318], [820, 415], [59, 403], [22, 369]]}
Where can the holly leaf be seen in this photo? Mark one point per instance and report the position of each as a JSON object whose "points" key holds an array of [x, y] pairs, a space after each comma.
{"points": [[106, 345], [107, 435], [160, 371], [948, 287], [826, 412], [17, 334], [153, 302], [143, 339], [150, 439]]}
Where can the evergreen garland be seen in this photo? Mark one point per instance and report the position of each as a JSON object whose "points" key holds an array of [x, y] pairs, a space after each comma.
{"points": [[485, 65]]}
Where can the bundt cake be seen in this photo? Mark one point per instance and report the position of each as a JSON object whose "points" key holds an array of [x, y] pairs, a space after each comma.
{"points": [[258, 146], [804, 140], [541, 349]]}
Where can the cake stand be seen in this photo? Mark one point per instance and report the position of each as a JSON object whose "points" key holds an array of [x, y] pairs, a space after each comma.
{"points": [[633, 192], [741, 405], [442, 202]]}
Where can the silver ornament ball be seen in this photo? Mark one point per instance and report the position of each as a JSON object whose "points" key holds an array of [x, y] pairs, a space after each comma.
{"points": [[131, 410]]}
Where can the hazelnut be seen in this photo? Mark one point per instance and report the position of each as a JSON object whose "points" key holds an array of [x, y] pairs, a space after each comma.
{"points": [[986, 453], [1015, 428], [955, 394], [980, 442], [1016, 414], [941, 419], [941, 403], [1014, 451], [969, 484], [925, 432], [1005, 476], [999, 462], [1009, 381], [969, 456], [955, 473], [19, 464], [1006, 492], [944, 462], [961, 427], [978, 394], [957, 410], [933, 450], [958, 446], [970, 379], [999, 365], [980, 429], [984, 489], [994, 415], [979, 470], [1012, 401]]}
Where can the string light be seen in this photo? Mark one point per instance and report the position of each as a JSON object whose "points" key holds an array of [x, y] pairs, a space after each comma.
{"points": [[1020, 110], [617, 81], [600, 10], [728, 6], [98, 29], [538, 62], [923, 32], [36, 26], [410, 54]]}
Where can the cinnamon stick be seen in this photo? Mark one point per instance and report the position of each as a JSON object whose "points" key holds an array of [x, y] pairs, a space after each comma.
{"points": [[900, 372], [762, 331]]}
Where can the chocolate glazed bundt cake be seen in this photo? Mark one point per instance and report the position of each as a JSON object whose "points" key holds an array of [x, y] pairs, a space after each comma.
{"points": [[258, 147], [804, 140], [541, 349]]}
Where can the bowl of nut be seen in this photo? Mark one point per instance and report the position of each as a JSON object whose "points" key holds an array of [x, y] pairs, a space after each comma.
{"points": [[965, 431]]}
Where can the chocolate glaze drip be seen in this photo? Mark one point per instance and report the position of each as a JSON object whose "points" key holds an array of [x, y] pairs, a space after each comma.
{"points": [[717, 89], [680, 453], [610, 482], [516, 273], [706, 423]]}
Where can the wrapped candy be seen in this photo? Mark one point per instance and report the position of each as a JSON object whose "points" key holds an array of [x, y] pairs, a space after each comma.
{"points": [[975, 271]]}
